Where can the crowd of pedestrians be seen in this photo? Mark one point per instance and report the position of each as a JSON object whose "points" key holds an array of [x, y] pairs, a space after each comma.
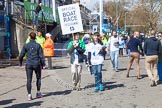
{"points": [[117, 45], [90, 50]]}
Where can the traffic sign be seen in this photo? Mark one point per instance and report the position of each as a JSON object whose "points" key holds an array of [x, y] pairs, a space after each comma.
{"points": [[95, 28]]}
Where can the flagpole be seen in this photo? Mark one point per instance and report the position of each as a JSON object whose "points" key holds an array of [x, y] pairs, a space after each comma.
{"points": [[101, 14]]}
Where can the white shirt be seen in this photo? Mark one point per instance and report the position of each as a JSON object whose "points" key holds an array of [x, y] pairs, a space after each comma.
{"points": [[76, 58], [87, 48], [111, 43], [96, 58]]}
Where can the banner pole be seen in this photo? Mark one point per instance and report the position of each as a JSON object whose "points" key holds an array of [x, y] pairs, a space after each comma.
{"points": [[73, 35]]}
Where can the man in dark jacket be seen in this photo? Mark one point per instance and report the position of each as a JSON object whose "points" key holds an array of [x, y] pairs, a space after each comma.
{"points": [[76, 48], [135, 51], [36, 13], [151, 49], [34, 62]]}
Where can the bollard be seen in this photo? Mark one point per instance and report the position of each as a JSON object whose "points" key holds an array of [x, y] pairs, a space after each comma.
{"points": [[49, 62]]}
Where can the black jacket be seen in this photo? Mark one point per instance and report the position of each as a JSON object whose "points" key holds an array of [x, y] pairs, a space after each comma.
{"points": [[38, 9], [151, 46], [34, 54], [80, 49]]}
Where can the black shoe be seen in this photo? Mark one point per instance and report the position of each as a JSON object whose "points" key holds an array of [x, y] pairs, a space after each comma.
{"points": [[127, 76], [156, 83], [152, 83]]}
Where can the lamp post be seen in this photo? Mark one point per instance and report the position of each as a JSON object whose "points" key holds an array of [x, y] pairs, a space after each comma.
{"points": [[101, 15], [116, 14], [125, 22]]}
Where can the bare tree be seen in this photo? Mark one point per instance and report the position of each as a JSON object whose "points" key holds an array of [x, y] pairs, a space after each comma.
{"points": [[152, 10], [143, 16], [110, 10]]}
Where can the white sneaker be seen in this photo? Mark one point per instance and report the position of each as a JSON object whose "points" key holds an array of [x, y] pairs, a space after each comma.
{"points": [[29, 97]]}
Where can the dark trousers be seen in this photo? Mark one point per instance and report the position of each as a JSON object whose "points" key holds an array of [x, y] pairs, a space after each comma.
{"points": [[29, 74], [121, 51]]}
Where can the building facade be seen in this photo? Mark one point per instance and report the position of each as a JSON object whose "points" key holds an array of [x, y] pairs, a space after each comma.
{"points": [[16, 19]]}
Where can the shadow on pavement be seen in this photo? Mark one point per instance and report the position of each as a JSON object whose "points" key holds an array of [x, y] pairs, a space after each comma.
{"points": [[107, 58], [5, 102], [90, 86], [112, 86], [59, 67], [66, 92], [142, 76], [26, 105], [104, 69], [56, 67], [122, 69], [106, 83]]}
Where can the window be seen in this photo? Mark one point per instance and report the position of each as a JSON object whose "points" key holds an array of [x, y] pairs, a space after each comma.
{"points": [[51, 4], [46, 3], [43, 2], [1, 5], [57, 5], [36, 1], [32, 1]]}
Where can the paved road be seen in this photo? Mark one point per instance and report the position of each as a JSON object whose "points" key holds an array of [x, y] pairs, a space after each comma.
{"points": [[120, 92]]}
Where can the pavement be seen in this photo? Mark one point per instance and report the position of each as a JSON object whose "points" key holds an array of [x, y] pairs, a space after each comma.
{"points": [[120, 92]]}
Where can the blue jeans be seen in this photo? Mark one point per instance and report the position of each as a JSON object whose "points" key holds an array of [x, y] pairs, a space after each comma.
{"points": [[160, 70], [35, 19], [114, 58], [128, 52], [97, 71]]}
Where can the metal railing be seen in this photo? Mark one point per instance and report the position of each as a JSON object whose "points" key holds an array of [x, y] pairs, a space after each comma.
{"points": [[4, 58]]}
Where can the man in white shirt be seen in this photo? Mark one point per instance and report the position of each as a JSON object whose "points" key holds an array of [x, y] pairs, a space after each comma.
{"points": [[113, 47]]}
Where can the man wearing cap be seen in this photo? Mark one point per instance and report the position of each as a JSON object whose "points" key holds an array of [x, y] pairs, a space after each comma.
{"points": [[48, 49], [48, 46], [76, 49], [34, 62], [87, 41]]}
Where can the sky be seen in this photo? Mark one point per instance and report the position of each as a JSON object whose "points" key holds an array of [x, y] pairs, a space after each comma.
{"points": [[91, 3], [88, 3]]}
